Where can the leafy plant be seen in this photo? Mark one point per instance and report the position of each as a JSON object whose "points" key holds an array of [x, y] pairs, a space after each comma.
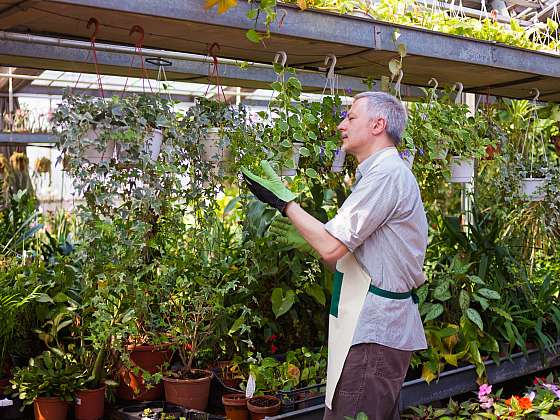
{"points": [[48, 375]]}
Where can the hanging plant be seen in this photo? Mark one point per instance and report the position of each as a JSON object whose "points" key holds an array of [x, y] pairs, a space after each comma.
{"points": [[43, 165]]}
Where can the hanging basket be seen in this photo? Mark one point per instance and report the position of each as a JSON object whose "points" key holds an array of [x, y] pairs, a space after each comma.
{"points": [[295, 158], [532, 189], [92, 154], [462, 169], [43, 165], [338, 161], [214, 151], [152, 143]]}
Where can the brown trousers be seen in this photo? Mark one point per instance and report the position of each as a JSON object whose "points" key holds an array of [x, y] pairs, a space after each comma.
{"points": [[370, 382]]}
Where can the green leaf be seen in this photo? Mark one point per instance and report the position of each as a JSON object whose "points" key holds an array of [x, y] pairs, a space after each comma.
{"points": [[304, 151], [464, 300], [252, 14], [309, 118], [474, 316], [394, 67], [253, 36], [231, 205], [482, 301], [317, 293], [552, 25], [502, 313], [489, 294], [402, 50], [435, 311], [44, 298], [282, 303], [442, 292], [311, 173], [475, 279], [276, 86], [237, 324]]}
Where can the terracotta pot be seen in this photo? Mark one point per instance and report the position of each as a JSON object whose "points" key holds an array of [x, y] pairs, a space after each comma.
{"points": [[188, 393], [149, 358], [90, 404], [235, 406], [258, 412], [50, 408]]}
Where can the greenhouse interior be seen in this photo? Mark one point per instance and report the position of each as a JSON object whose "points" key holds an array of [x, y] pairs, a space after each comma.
{"points": [[307, 209]]}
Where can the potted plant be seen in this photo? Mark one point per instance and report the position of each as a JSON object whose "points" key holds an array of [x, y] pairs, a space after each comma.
{"points": [[49, 382], [263, 406], [14, 298], [192, 314], [85, 128], [211, 124], [235, 406], [148, 116]]}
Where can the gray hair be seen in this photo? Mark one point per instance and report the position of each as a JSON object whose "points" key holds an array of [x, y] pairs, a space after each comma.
{"points": [[383, 105]]}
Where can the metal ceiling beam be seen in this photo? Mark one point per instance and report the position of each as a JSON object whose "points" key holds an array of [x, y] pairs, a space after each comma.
{"points": [[337, 29], [71, 55], [12, 14], [48, 56]]}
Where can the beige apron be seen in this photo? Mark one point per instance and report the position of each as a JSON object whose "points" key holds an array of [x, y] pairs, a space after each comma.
{"points": [[346, 304]]}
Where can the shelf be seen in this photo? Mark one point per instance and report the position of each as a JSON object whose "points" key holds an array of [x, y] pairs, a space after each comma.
{"points": [[27, 138], [363, 47], [455, 382]]}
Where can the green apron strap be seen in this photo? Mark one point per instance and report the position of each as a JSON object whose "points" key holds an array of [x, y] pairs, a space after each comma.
{"points": [[394, 295], [337, 287]]}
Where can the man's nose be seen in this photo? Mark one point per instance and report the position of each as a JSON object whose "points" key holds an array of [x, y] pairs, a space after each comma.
{"points": [[341, 126]]}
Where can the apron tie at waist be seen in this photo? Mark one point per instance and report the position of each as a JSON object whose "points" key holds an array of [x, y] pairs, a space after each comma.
{"points": [[394, 295]]}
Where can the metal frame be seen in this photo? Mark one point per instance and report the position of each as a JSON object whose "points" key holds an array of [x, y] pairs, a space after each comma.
{"points": [[71, 55], [455, 382], [363, 46], [27, 138]]}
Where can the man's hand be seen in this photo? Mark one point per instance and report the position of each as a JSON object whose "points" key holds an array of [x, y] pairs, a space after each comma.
{"points": [[269, 189], [287, 234]]}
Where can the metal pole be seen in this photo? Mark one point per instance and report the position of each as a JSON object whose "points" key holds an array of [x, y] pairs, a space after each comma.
{"points": [[10, 98]]}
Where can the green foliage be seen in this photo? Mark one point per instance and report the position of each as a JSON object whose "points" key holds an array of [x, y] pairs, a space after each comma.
{"points": [[300, 368], [48, 375]]}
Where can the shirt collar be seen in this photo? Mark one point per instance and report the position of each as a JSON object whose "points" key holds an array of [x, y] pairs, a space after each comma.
{"points": [[372, 160]]}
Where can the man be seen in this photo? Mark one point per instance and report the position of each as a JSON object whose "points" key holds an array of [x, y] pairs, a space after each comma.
{"points": [[377, 242]]}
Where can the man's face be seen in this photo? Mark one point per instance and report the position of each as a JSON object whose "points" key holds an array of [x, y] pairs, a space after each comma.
{"points": [[356, 128]]}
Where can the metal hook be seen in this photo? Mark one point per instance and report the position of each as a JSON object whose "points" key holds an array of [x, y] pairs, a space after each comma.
{"points": [[211, 52], [536, 98], [434, 81], [140, 30], [459, 92], [280, 58], [95, 22], [330, 58]]}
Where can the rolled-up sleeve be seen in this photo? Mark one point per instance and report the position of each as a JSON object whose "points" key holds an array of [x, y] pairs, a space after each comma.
{"points": [[370, 204]]}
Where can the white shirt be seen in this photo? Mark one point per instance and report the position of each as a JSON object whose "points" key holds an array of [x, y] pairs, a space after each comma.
{"points": [[384, 224]]}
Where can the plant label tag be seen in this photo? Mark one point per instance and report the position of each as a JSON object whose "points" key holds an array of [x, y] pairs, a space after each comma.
{"points": [[6, 402], [251, 386]]}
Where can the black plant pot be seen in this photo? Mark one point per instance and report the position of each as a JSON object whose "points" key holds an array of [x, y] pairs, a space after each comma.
{"points": [[13, 412]]}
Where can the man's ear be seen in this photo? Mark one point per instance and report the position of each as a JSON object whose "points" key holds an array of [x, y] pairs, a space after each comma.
{"points": [[378, 126]]}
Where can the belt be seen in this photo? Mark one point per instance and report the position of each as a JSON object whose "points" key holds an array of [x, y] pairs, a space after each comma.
{"points": [[394, 295]]}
